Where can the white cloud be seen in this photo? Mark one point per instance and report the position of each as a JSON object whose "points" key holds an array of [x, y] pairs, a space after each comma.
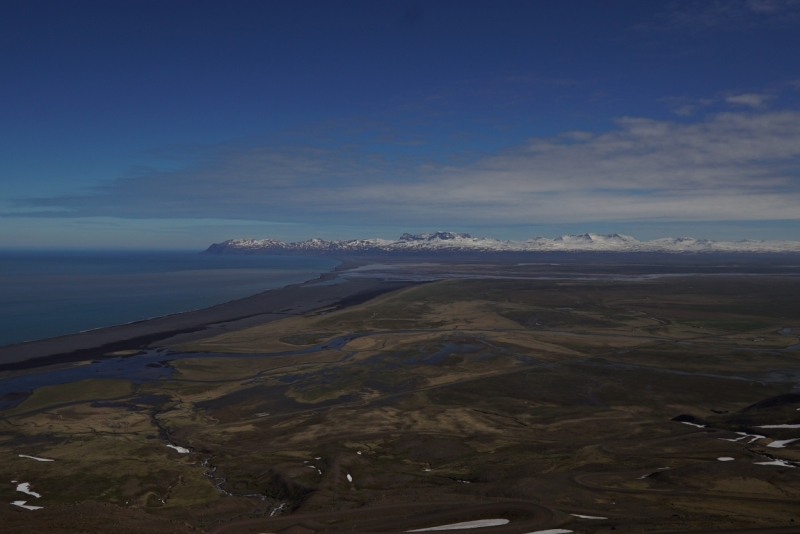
{"points": [[731, 14], [685, 106], [729, 166], [770, 6], [753, 100]]}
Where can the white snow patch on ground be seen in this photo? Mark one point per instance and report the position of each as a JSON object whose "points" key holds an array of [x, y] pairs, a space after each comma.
{"points": [[278, 509], [181, 450], [262, 414], [693, 424], [779, 444], [358, 452], [725, 459], [466, 524], [22, 504], [588, 516], [349, 478], [36, 458], [552, 531], [778, 426], [25, 487], [744, 435], [782, 463]]}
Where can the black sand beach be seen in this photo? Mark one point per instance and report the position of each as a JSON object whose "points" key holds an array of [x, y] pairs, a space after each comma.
{"points": [[298, 299], [263, 307]]}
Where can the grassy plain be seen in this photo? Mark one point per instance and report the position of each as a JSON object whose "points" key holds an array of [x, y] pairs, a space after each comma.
{"points": [[73, 392], [531, 400]]}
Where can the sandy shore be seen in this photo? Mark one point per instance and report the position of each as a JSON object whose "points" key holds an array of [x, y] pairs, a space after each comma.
{"points": [[181, 327]]}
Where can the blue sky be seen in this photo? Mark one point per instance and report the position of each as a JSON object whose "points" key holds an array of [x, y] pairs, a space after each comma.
{"points": [[176, 124]]}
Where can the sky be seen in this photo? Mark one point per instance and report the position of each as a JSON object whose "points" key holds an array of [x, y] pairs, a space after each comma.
{"points": [[181, 123]]}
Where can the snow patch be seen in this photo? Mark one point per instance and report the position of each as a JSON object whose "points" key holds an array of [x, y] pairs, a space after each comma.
{"points": [[465, 524], [782, 463], [778, 426], [744, 435], [277, 510], [25, 487], [588, 516], [349, 478], [22, 504], [779, 444], [181, 450], [36, 458], [725, 459]]}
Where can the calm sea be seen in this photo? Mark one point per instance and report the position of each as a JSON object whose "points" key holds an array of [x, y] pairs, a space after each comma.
{"points": [[46, 294]]}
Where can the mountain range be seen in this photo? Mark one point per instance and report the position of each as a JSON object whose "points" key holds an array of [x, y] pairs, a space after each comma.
{"points": [[458, 242]]}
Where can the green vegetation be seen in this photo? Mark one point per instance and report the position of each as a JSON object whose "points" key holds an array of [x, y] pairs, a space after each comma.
{"points": [[74, 392]]}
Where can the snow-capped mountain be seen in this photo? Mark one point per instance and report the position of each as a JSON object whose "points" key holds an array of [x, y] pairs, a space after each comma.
{"points": [[454, 242]]}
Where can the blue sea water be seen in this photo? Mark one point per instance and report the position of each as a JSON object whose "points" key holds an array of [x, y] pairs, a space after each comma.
{"points": [[47, 294]]}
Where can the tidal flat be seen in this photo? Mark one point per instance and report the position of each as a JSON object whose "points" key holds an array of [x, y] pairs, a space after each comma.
{"points": [[583, 404]]}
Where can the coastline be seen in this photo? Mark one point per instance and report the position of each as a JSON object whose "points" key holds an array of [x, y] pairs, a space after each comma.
{"points": [[52, 293], [332, 289], [267, 306]]}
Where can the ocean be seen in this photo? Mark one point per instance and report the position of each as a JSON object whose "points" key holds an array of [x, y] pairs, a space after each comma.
{"points": [[48, 294]]}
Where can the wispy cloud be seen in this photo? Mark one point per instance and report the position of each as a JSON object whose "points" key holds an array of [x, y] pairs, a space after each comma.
{"points": [[685, 106], [704, 15], [729, 166], [753, 100]]}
